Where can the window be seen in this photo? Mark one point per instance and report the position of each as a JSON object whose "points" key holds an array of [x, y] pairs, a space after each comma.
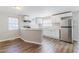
{"points": [[47, 23], [13, 23]]}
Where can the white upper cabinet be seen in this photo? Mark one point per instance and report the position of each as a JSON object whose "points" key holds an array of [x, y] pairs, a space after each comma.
{"points": [[56, 19], [66, 14]]}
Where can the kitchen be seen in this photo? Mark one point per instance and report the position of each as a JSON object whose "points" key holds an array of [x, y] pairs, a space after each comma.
{"points": [[41, 25]]}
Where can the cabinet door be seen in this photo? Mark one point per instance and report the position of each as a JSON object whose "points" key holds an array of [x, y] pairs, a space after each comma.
{"points": [[56, 19]]}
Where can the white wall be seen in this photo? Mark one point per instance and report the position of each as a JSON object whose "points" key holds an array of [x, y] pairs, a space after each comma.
{"points": [[5, 33], [75, 24], [32, 24]]}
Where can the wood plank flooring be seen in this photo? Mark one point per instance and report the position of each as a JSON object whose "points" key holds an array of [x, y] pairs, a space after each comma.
{"points": [[47, 46]]}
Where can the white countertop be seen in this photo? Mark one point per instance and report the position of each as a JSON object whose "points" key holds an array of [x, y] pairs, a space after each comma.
{"points": [[31, 29]]}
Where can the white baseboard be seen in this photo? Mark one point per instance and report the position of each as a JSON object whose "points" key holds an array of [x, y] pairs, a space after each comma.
{"points": [[31, 41], [50, 37], [21, 38], [75, 40], [9, 39]]}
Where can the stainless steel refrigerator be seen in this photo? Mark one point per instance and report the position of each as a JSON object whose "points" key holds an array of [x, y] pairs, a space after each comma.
{"points": [[66, 29]]}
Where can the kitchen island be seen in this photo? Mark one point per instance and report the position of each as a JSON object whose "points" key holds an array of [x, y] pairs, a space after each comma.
{"points": [[33, 35]]}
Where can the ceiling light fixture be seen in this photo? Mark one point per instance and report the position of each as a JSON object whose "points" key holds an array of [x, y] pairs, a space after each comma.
{"points": [[17, 7]]}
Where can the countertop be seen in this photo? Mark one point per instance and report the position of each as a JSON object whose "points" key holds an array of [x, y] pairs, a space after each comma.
{"points": [[30, 29]]}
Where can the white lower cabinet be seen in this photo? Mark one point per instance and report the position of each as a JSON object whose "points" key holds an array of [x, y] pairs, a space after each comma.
{"points": [[34, 36], [51, 33]]}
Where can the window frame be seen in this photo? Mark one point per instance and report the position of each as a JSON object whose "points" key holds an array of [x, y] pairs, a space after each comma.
{"points": [[15, 25]]}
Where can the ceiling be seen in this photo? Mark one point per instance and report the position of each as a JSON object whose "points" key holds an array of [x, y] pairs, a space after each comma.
{"points": [[37, 11]]}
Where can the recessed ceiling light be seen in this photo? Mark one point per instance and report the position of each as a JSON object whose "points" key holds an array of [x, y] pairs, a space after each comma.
{"points": [[17, 7]]}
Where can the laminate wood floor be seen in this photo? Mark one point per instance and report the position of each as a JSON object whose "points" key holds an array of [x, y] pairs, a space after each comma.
{"points": [[47, 46]]}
